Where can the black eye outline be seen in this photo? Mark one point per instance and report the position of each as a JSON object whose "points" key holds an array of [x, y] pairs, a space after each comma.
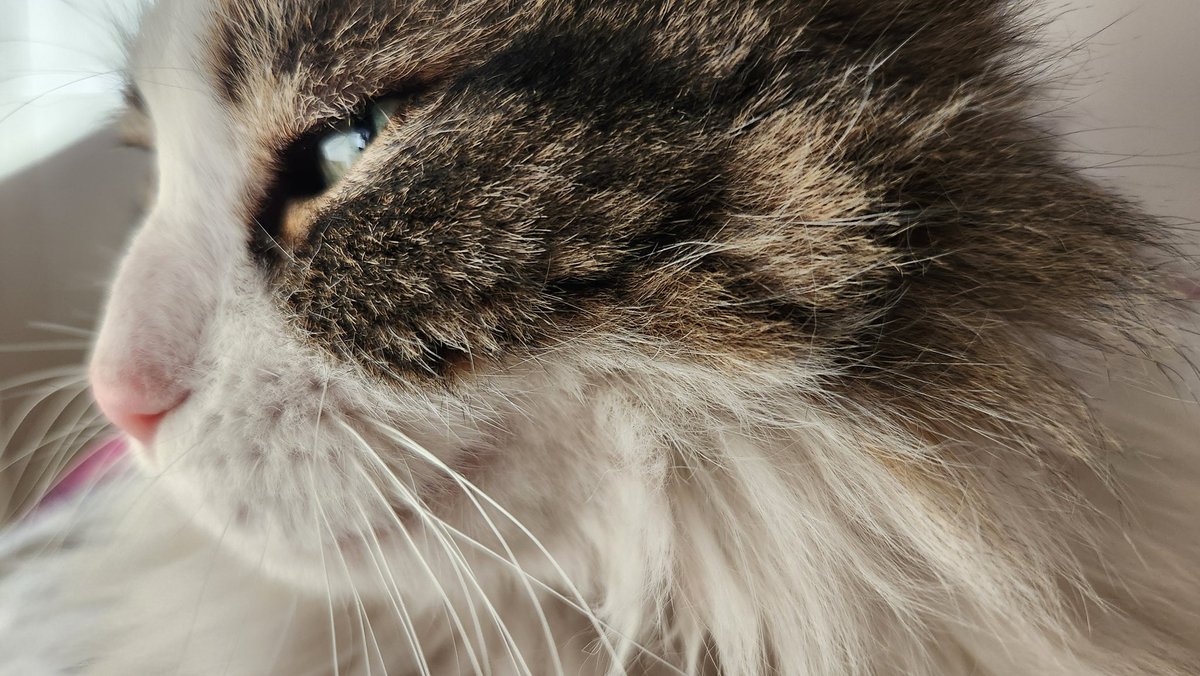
{"points": [[300, 176], [300, 172]]}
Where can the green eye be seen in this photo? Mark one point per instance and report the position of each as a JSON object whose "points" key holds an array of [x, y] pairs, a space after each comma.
{"points": [[312, 164], [338, 150]]}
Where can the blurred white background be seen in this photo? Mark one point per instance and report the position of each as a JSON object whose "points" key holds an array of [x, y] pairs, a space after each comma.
{"points": [[66, 191], [67, 201], [59, 72], [69, 195]]}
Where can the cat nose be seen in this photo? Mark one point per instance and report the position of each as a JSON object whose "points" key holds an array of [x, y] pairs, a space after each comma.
{"points": [[158, 308], [136, 397]]}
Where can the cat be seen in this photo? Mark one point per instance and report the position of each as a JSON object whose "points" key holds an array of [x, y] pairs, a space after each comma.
{"points": [[566, 337]]}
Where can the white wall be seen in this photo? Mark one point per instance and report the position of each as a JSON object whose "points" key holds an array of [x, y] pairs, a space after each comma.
{"points": [[59, 80], [1137, 115]]}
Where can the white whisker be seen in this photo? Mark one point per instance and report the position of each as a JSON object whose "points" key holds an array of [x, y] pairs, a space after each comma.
{"points": [[471, 491], [435, 526], [447, 602]]}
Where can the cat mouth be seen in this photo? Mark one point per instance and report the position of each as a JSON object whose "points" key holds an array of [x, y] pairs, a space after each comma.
{"points": [[334, 478]]}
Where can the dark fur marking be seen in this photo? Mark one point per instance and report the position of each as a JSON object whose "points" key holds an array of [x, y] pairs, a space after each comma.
{"points": [[576, 169]]}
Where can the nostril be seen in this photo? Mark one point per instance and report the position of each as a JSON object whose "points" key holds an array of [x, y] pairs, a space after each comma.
{"points": [[138, 413], [140, 426]]}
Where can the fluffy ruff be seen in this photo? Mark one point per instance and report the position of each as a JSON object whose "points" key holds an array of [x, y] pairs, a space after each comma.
{"points": [[801, 551]]}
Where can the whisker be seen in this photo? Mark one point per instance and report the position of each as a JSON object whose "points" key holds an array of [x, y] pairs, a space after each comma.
{"points": [[576, 600], [459, 561], [48, 346], [66, 85], [333, 642], [37, 429], [358, 604], [320, 546], [33, 448], [237, 639], [146, 492], [451, 612], [74, 373], [84, 495], [71, 443], [55, 327], [470, 490], [68, 445], [203, 591], [394, 595], [284, 633]]}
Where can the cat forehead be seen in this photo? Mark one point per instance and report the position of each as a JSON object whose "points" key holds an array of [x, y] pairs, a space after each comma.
{"points": [[273, 69], [304, 61], [326, 56]]}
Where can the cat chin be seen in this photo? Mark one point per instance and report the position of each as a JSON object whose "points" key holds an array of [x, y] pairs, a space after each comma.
{"points": [[348, 570], [312, 527], [330, 560]]}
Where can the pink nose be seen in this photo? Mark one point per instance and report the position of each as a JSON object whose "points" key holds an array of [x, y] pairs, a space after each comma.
{"points": [[135, 404]]}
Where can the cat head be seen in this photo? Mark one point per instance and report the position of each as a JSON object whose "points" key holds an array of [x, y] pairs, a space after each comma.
{"points": [[622, 291]]}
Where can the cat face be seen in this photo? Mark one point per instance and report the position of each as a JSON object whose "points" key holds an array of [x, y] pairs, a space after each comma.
{"points": [[325, 369], [423, 272], [325, 376]]}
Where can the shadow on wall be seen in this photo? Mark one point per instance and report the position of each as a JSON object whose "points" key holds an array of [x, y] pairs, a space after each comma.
{"points": [[63, 223]]}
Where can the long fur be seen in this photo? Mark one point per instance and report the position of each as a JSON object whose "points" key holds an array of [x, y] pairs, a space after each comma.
{"points": [[692, 337]]}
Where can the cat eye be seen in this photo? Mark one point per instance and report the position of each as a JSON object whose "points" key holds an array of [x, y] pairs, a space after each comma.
{"points": [[314, 163], [338, 150]]}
